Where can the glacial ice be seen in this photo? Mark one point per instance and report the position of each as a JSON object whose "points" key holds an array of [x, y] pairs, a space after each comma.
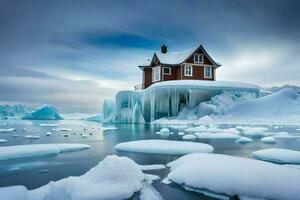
{"points": [[113, 178], [37, 150], [96, 118], [45, 112], [13, 111], [247, 178], [168, 147], [283, 156], [184, 98]]}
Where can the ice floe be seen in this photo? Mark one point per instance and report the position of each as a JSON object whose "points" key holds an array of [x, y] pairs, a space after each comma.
{"points": [[268, 140], [3, 141], [113, 178], [48, 133], [32, 137], [217, 135], [244, 140], [246, 178], [48, 125], [152, 167], [6, 130], [189, 137], [34, 150], [180, 133], [277, 155], [109, 128], [164, 147]]}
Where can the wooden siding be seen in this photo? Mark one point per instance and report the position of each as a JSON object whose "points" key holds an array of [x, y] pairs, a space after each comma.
{"points": [[198, 73], [206, 60], [173, 75]]}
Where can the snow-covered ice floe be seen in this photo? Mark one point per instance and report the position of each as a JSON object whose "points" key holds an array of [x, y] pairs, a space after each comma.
{"points": [[32, 137], [6, 130], [189, 137], [283, 156], [45, 112], [217, 136], [37, 150], [164, 147], [223, 176], [109, 128], [3, 141], [152, 167], [268, 140], [244, 140], [48, 125], [113, 178]]}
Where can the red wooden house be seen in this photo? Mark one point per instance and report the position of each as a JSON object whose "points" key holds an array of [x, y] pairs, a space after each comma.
{"points": [[194, 64]]}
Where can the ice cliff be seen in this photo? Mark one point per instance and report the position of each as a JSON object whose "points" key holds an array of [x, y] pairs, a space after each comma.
{"points": [[184, 98]]}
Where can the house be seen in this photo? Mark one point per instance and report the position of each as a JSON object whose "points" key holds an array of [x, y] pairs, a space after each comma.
{"points": [[194, 64]]}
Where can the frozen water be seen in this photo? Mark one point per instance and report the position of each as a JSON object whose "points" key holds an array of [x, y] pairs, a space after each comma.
{"points": [[268, 140], [32, 137], [237, 176], [34, 150], [48, 133], [149, 193], [180, 133], [283, 156], [164, 147], [45, 112], [48, 125], [152, 167], [189, 137], [13, 111], [244, 140], [3, 141], [5, 130], [204, 135]]}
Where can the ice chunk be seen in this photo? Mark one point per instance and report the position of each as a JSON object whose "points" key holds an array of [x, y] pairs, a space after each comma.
{"points": [[48, 133], [164, 147], [45, 112], [221, 135], [113, 178], [49, 125], [205, 120], [189, 137], [96, 118], [180, 133], [244, 140], [84, 135], [238, 176], [149, 193], [109, 128], [152, 167], [64, 129], [5, 130], [24, 151], [32, 137], [283, 156], [268, 140], [3, 141]]}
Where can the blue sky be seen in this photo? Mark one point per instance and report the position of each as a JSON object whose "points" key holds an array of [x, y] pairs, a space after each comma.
{"points": [[74, 54]]}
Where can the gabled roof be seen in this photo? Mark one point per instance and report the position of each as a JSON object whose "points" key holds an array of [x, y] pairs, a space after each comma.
{"points": [[175, 58]]}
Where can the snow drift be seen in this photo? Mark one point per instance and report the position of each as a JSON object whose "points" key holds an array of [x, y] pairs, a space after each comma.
{"points": [[45, 112]]}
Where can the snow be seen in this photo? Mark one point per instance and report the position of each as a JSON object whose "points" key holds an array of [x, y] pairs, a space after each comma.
{"points": [[247, 178], [189, 137], [268, 140], [5, 130], [48, 125], [152, 167], [113, 178], [204, 135], [32, 137], [3, 141], [45, 112], [34, 150], [164, 147], [244, 140], [283, 156]]}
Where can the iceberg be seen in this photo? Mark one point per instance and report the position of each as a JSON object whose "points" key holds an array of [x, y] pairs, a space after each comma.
{"points": [[13, 111], [113, 178], [45, 112], [164, 147], [282, 156], [37, 150], [95, 118], [184, 98], [246, 178]]}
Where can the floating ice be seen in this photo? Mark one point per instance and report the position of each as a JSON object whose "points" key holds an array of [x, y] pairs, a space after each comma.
{"points": [[217, 135], [113, 178], [32, 137], [247, 178], [96, 118], [152, 167], [24, 151], [164, 147], [45, 112], [149, 193], [109, 128], [3, 141], [180, 133], [5, 130], [189, 137], [49, 125], [48, 133], [283, 156], [256, 132], [84, 135], [13, 111], [268, 140], [64, 129], [212, 129], [244, 140]]}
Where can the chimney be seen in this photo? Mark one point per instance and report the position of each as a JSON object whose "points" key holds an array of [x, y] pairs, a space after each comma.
{"points": [[164, 49]]}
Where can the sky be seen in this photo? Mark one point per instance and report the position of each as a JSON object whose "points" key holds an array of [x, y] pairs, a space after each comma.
{"points": [[75, 54]]}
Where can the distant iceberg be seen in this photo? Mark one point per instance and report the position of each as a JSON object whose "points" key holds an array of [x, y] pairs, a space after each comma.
{"points": [[45, 112], [13, 111], [184, 98]]}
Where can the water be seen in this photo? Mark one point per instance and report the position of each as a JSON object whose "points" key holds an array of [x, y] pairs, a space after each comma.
{"points": [[35, 172]]}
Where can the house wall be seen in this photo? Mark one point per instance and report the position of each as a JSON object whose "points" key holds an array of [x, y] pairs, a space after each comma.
{"points": [[147, 77], [205, 60], [198, 74], [173, 75]]}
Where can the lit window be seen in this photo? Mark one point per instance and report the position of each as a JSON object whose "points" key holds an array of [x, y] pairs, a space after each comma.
{"points": [[167, 70], [156, 74], [188, 70], [207, 72], [198, 58]]}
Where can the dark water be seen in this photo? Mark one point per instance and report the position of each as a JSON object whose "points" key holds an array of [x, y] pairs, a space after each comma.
{"points": [[35, 172]]}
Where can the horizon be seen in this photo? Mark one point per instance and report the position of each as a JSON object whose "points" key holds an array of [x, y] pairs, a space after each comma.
{"points": [[75, 54]]}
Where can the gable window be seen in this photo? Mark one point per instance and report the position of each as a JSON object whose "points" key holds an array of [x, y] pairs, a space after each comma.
{"points": [[188, 70], [167, 70], [207, 72], [156, 74], [198, 58]]}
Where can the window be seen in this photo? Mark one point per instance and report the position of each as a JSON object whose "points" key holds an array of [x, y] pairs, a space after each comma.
{"points": [[156, 74], [167, 70], [198, 58], [207, 72], [188, 70]]}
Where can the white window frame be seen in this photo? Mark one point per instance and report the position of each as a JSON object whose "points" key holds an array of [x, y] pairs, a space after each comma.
{"points": [[156, 74], [198, 55], [170, 70], [210, 70], [186, 70]]}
